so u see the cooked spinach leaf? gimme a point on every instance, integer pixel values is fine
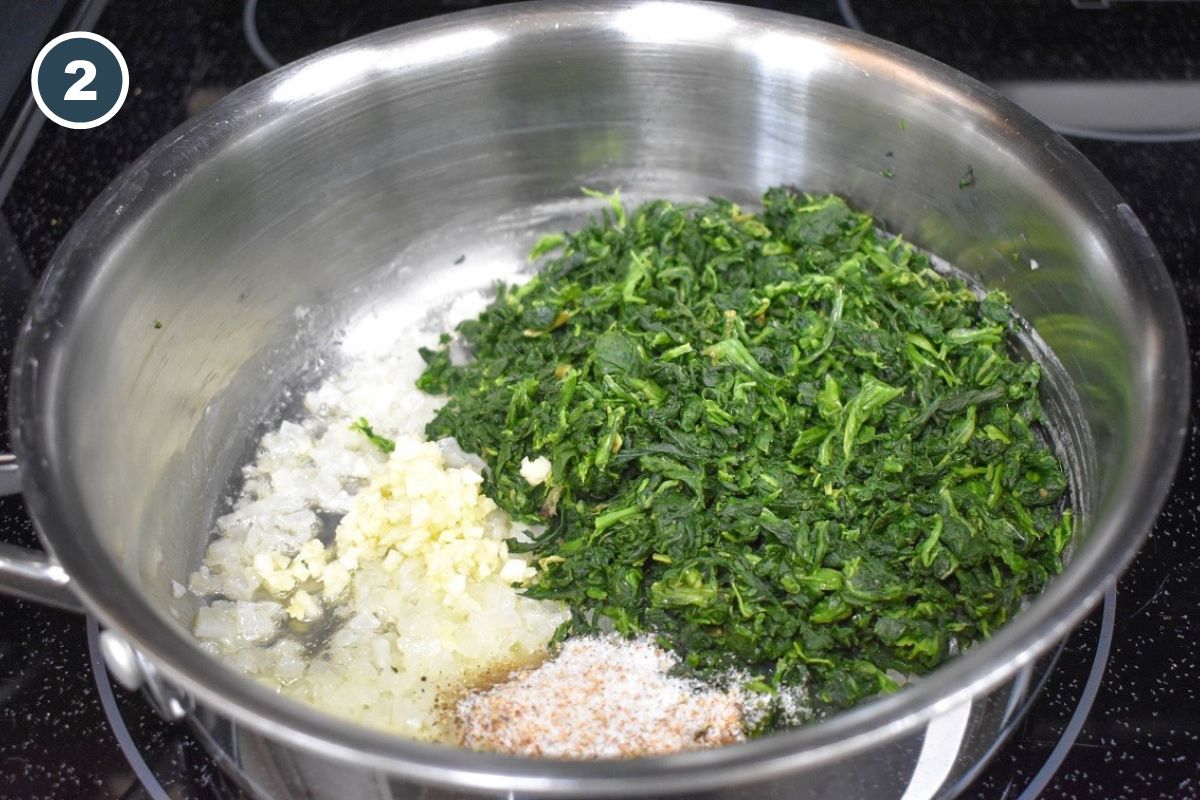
(782, 442)
(382, 442)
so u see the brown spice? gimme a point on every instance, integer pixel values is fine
(601, 697)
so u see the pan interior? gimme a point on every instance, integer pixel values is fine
(227, 268)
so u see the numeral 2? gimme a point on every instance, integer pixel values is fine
(77, 90)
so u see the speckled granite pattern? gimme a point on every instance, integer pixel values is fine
(1142, 739)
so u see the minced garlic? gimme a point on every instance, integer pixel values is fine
(415, 508)
(535, 472)
(418, 508)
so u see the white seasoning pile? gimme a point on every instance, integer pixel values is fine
(601, 697)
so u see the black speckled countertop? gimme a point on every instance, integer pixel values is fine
(1141, 739)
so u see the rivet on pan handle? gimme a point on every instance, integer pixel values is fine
(133, 671)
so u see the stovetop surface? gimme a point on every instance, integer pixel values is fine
(1141, 738)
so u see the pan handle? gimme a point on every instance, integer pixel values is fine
(27, 573)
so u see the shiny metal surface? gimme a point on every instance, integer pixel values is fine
(10, 474)
(217, 271)
(134, 671)
(33, 576)
(121, 660)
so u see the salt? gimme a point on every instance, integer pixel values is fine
(601, 697)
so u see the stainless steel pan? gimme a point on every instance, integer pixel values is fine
(357, 174)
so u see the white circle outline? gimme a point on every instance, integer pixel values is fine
(110, 47)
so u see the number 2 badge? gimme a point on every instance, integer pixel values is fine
(80, 80)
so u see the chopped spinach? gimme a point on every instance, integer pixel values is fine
(968, 178)
(382, 442)
(781, 442)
